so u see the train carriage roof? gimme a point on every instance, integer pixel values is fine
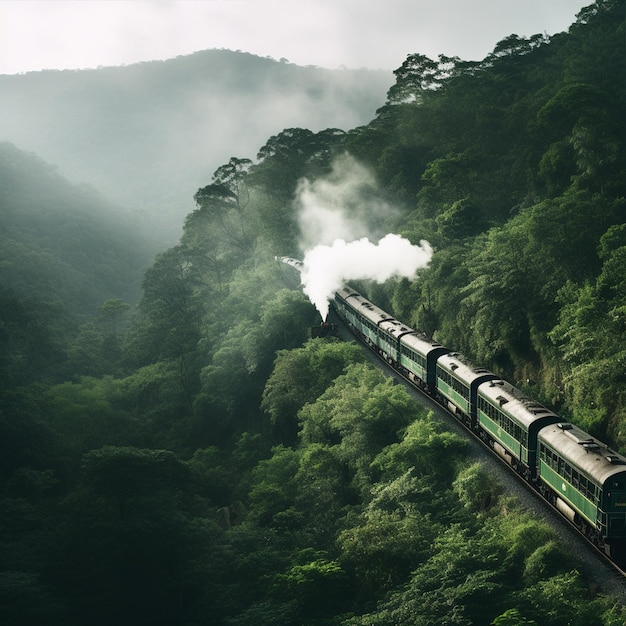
(368, 310)
(363, 306)
(422, 344)
(413, 338)
(584, 452)
(295, 263)
(463, 369)
(395, 328)
(346, 292)
(514, 403)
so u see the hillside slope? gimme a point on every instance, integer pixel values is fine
(64, 244)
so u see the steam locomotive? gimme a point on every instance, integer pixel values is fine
(579, 475)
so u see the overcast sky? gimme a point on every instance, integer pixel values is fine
(377, 34)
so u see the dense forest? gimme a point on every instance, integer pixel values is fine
(191, 456)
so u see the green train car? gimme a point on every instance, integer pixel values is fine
(586, 481)
(510, 422)
(418, 359)
(457, 381)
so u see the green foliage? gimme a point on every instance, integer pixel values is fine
(563, 598)
(63, 244)
(512, 617)
(231, 383)
(133, 545)
(417, 74)
(322, 493)
(546, 561)
(588, 335)
(221, 226)
(383, 547)
(449, 588)
(300, 376)
(476, 488)
(124, 475)
(98, 347)
(361, 412)
(473, 578)
(87, 414)
(273, 492)
(460, 221)
(26, 438)
(213, 474)
(314, 585)
(196, 459)
(31, 341)
(24, 600)
(293, 154)
(430, 452)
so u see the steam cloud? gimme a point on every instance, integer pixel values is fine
(338, 217)
(327, 268)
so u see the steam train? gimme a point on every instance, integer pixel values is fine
(579, 475)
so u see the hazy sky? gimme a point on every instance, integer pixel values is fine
(60, 34)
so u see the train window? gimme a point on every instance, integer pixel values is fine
(567, 472)
(552, 460)
(443, 375)
(460, 388)
(504, 421)
(580, 482)
(413, 356)
(454, 383)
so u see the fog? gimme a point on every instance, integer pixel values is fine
(349, 33)
(149, 135)
(346, 204)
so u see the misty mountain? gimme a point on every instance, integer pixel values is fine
(64, 244)
(149, 135)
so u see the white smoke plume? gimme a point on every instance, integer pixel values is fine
(339, 215)
(346, 204)
(327, 268)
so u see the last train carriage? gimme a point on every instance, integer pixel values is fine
(587, 482)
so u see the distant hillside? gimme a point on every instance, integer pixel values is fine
(64, 244)
(149, 135)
